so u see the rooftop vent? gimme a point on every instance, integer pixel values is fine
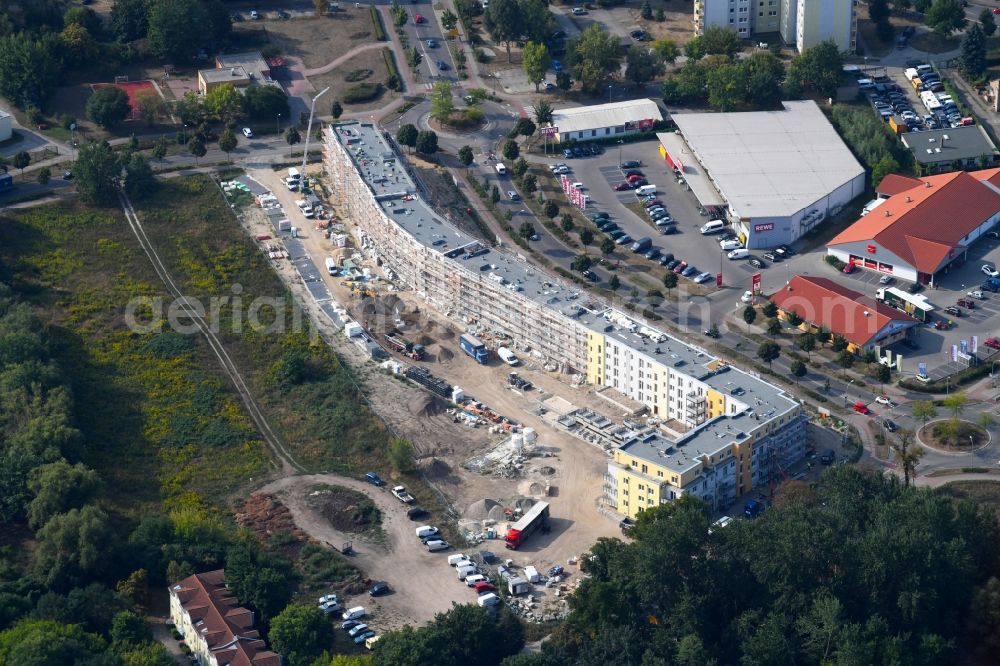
(868, 314)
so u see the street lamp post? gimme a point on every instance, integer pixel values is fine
(609, 94)
(312, 110)
(620, 144)
(277, 124)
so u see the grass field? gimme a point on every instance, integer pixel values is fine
(165, 427)
(983, 493)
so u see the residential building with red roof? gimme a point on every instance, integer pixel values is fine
(924, 225)
(861, 320)
(218, 630)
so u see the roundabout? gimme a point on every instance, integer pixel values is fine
(953, 436)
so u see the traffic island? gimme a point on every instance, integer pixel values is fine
(953, 436)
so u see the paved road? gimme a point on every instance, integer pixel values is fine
(418, 34)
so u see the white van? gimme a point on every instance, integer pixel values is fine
(464, 562)
(434, 546)
(645, 190)
(741, 253)
(475, 578)
(457, 557)
(467, 570)
(331, 266)
(293, 174)
(728, 245)
(712, 227)
(488, 599)
(577, 185)
(501, 169)
(354, 613)
(424, 530)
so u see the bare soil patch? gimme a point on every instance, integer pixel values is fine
(931, 42)
(347, 510)
(318, 41)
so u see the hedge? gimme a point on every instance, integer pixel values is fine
(390, 64)
(833, 261)
(362, 92)
(377, 22)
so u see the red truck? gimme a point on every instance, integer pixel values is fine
(537, 516)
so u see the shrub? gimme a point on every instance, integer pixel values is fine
(833, 261)
(394, 81)
(377, 22)
(362, 92)
(358, 75)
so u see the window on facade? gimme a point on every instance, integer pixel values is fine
(645, 469)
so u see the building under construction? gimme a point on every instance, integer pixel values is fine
(495, 294)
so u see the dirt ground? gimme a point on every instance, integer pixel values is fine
(678, 26)
(570, 468)
(317, 41)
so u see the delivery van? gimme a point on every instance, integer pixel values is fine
(646, 190)
(501, 169)
(712, 227)
(331, 266)
(740, 253)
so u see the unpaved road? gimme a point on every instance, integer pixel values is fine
(422, 583)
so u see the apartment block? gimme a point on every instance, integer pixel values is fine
(804, 23)
(696, 399)
(218, 630)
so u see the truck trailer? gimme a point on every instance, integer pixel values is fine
(404, 346)
(537, 516)
(474, 348)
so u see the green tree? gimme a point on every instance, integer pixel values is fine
(764, 73)
(504, 21)
(768, 351)
(300, 633)
(130, 19)
(465, 156)
(661, 15)
(564, 81)
(190, 109)
(642, 65)
(414, 58)
(160, 148)
(798, 369)
(520, 167)
(78, 46)
(336, 110)
(129, 628)
(58, 487)
(717, 40)
(581, 262)
(749, 315)
(44, 175)
(972, 61)
(694, 49)
(30, 68)
(227, 142)
(666, 50)
(670, 281)
(292, 137)
(96, 172)
(769, 309)
(986, 420)
(448, 19)
(794, 319)
(773, 326)
(406, 135)
(523, 127)
(266, 103)
(551, 209)
(543, 113)
(529, 184)
(882, 374)
(197, 148)
(839, 344)
(817, 69)
(614, 284)
(400, 454)
(646, 10)
(945, 17)
(955, 403)
(399, 15)
(149, 105)
(264, 581)
(593, 57)
(607, 246)
(537, 21)
(886, 165)
(845, 359)
(178, 29)
(586, 236)
(923, 410)
(442, 102)
(987, 21)
(72, 547)
(526, 230)
(984, 617)
(535, 60)
(566, 222)
(48, 643)
(427, 142)
(224, 102)
(510, 149)
(108, 106)
(495, 195)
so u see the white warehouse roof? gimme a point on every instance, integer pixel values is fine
(605, 115)
(770, 163)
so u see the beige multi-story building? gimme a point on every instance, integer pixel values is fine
(804, 23)
(695, 397)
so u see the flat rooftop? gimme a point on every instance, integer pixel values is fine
(393, 187)
(233, 74)
(770, 163)
(945, 145)
(595, 116)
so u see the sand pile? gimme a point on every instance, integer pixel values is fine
(485, 509)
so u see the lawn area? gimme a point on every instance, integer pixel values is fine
(366, 67)
(318, 41)
(931, 42)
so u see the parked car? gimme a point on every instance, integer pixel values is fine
(953, 311)
(247, 132)
(827, 457)
(374, 479)
(861, 408)
(378, 589)
(363, 636)
(703, 277)
(680, 267)
(746, 297)
(689, 271)
(622, 187)
(992, 343)
(416, 513)
(942, 325)
(886, 279)
(599, 216)
(848, 268)
(590, 275)
(773, 257)
(990, 270)
(884, 400)
(890, 425)
(966, 303)
(631, 164)
(756, 263)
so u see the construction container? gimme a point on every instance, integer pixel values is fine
(898, 125)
